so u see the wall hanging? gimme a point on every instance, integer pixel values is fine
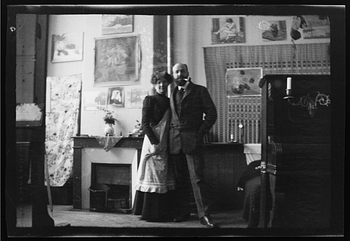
(135, 97)
(243, 81)
(273, 30)
(117, 23)
(61, 126)
(94, 100)
(116, 96)
(117, 61)
(228, 30)
(67, 47)
(316, 26)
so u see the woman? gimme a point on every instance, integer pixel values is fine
(155, 174)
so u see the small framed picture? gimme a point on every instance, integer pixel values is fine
(315, 26)
(228, 30)
(67, 47)
(94, 100)
(117, 23)
(116, 96)
(243, 82)
(135, 97)
(274, 30)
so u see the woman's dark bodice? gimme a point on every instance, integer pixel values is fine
(153, 109)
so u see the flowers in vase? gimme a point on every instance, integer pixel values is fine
(108, 118)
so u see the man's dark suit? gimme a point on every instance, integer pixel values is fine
(197, 115)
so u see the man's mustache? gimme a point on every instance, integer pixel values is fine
(183, 78)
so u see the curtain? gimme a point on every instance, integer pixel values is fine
(274, 59)
(62, 112)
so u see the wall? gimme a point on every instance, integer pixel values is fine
(190, 34)
(92, 121)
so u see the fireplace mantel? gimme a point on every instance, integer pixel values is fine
(89, 141)
(81, 142)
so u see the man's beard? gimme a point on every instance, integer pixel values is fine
(181, 81)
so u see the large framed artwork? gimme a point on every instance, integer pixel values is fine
(228, 30)
(243, 82)
(67, 47)
(117, 61)
(117, 23)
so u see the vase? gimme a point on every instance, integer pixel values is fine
(109, 130)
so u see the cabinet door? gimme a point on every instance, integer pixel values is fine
(296, 150)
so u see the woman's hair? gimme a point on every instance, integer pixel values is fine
(161, 75)
(229, 20)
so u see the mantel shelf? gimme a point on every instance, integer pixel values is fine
(90, 141)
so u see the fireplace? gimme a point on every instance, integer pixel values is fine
(87, 151)
(110, 187)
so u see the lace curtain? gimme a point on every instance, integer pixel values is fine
(274, 59)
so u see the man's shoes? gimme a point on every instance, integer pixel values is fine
(208, 222)
(182, 218)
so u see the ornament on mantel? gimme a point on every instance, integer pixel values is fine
(109, 121)
(138, 129)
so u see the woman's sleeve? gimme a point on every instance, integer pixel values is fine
(147, 112)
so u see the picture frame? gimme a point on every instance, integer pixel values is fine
(275, 30)
(94, 100)
(116, 96)
(67, 47)
(243, 82)
(317, 26)
(117, 61)
(228, 30)
(117, 23)
(135, 97)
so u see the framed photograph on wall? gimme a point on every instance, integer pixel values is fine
(117, 23)
(228, 30)
(117, 61)
(116, 96)
(243, 82)
(67, 47)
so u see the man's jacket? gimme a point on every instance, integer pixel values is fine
(198, 114)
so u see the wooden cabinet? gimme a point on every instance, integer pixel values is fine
(224, 165)
(296, 151)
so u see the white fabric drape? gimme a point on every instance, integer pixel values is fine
(61, 125)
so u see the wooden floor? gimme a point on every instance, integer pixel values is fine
(68, 218)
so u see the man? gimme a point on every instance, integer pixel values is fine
(193, 114)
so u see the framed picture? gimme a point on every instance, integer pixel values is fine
(116, 96)
(94, 100)
(228, 30)
(67, 47)
(243, 82)
(117, 61)
(317, 26)
(135, 97)
(273, 30)
(115, 23)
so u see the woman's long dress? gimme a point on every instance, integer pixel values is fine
(155, 178)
